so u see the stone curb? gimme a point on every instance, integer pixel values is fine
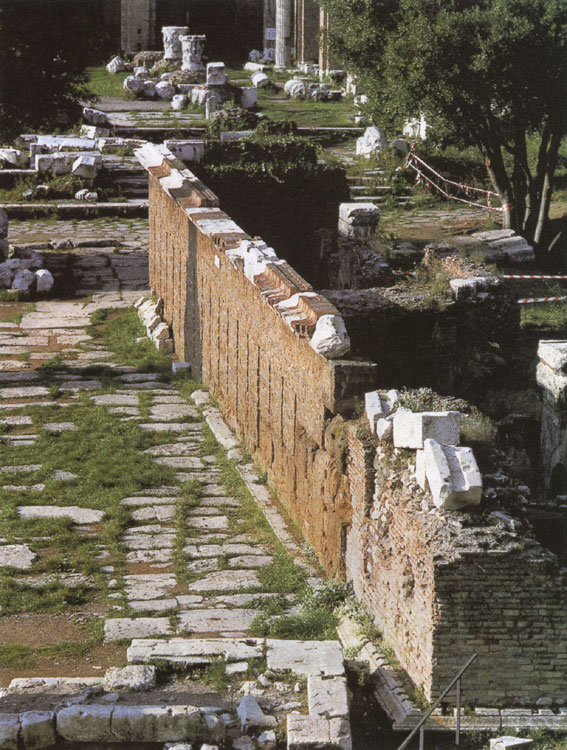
(260, 492)
(103, 722)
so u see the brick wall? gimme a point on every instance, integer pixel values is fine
(276, 391)
(440, 586)
(441, 589)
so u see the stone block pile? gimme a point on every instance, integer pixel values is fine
(505, 246)
(374, 142)
(443, 468)
(25, 273)
(150, 313)
(306, 88)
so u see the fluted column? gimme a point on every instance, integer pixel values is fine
(283, 32)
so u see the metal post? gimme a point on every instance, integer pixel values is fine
(458, 729)
(421, 738)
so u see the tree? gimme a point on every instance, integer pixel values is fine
(490, 73)
(45, 46)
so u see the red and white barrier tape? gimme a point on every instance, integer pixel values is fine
(531, 300)
(540, 276)
(413, 161)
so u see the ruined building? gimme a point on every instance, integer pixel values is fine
(441, 584)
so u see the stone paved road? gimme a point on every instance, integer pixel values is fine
(130, 232)
(217, 589)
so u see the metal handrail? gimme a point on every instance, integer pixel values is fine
(419, 726)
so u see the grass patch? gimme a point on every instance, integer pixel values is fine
(118, 332)
(306, 113)
(102, 83)
(551, 316)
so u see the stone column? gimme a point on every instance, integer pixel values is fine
(283, 32)
(171, 41)
(269, 29)
(192, 47)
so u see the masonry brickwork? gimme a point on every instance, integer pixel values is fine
(439, 585)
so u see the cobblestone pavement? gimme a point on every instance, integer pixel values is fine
(129, 232)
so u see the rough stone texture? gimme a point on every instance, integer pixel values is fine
(228, 621)
(305, 732)
(132, 677)
(509, 743)
(226, 580)
(9, 728)
(76, 514)
(327, 697)
(306, 657)
(251, 715)
(411, 429)
(452, 475)
(17, 556)
(37, 729)
(122, 627)
(194, 651)
(85, 723)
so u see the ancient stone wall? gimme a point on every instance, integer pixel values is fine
(248, 337)
(442, 586)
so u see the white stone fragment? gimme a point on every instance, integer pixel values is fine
(75, 514)
(411, 429)
(85, 166)
(13, 157)
(116, 65)
(509, 743)
(133, 85)
(259, 80)
(267, 740)
(305, 657)
(251, 715)
(327, 697)
(43, 281)
(248, 97)
(452, 475)
(17, 556)
(216, 75)
(179, 102)
(373, 142)
(9, 728)
(330, 337)
(85, 723)
(132, 677)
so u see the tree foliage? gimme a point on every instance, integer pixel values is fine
(486, 72)
(45, 46)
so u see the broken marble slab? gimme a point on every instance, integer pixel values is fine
(181, 462)
(170, 426)
(149, 541)
(212, 523)
(140, 500)
(16, 421)
(22, 469)
(33, 391)
(116, 399)
(149, 585)
(149, 556)
(152, 605)
(74, 513)
(172, 449)
(327, 697)
(250, 561)
(55, 428)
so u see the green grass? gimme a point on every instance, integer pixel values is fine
(550, 316)
(306, 113)
(117, 332)
(16, 656)
(102, 83)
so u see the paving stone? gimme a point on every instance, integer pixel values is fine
(22, 469)
(76, 514)
(16, 421)
(149, 541)
(149, 556)
(226, 580)
(225, 621)
(200, 511)
(55, 428)
(138, 500)
(23, 487)
(152, 605)
(17, 556)
(154, 512)
(194, 650)
(181, 462)
(34, 391)
(132, 677)
(202, 566)
(171, 399)
(116, 399)
(172, 449)
(125, 411)
(167, 426)
(327, 697)
(189, 600)
(64, 476)
(251, 715)
(165, 412)
(250, 561)
(210, 522)
(140, 627)
(305, 657)
(218, 502)
(149, 585)
(80, 385)
(68, 580)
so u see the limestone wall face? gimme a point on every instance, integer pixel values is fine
(138, 19)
